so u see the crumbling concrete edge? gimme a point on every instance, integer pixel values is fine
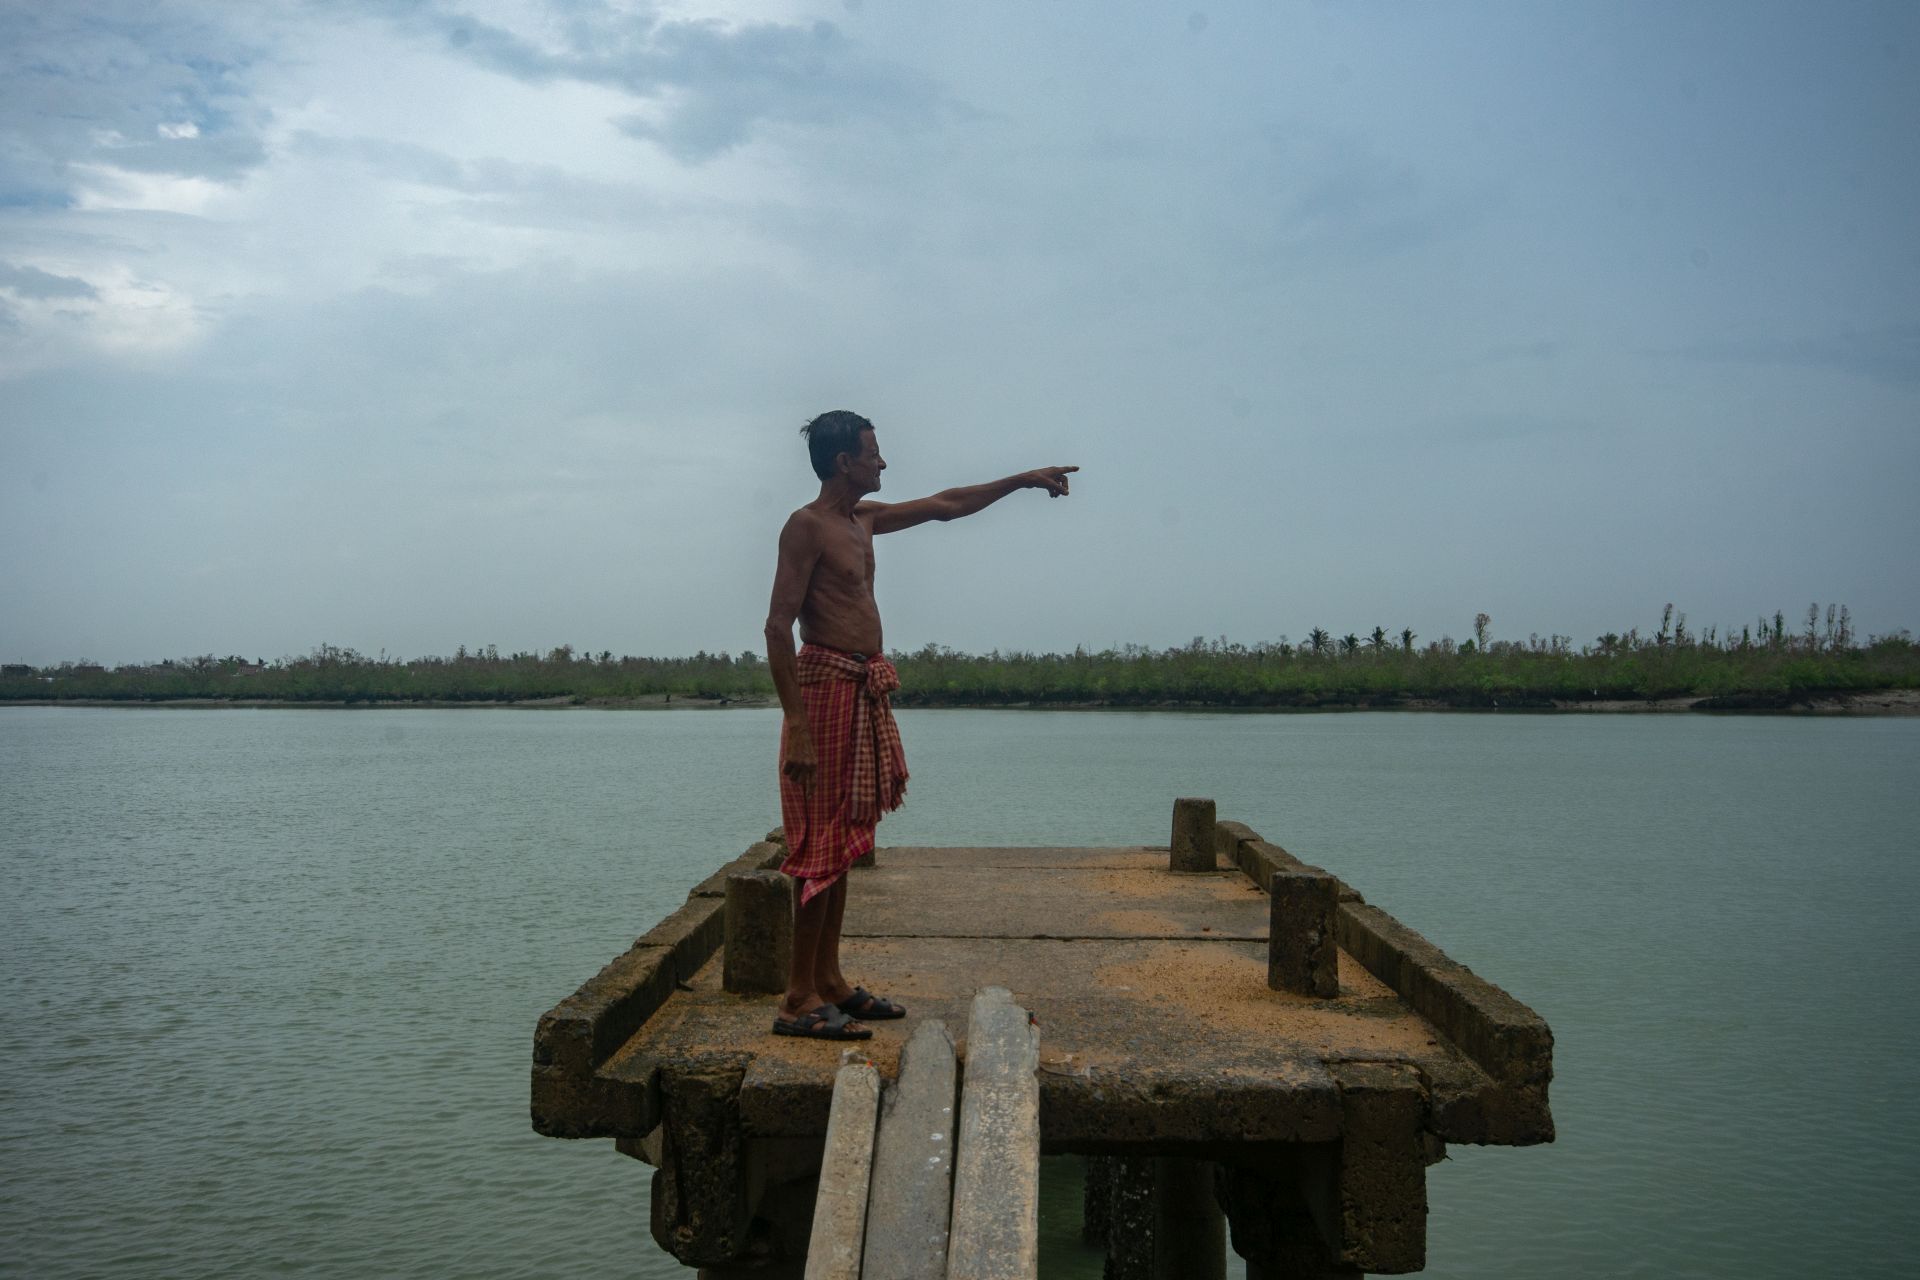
(1496, 1032)
(1503, 1037)
(574, 1038)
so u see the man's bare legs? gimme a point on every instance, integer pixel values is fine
(813, 976)
(827, 977)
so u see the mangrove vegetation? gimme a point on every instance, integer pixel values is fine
(1773, 663)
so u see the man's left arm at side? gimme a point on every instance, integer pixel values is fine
(799, 552)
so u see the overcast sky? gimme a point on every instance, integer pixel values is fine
(409, 325)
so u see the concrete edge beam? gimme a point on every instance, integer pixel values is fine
(996, 1181)
(758, 932)
(1302, 955)
(773, 1105)
(1496, 1032)
(846, 1170)
(1259, 859)
(1192, 845)
(1089, 1116)
(763, 856)
(908, 1210)
(582, 1031)
(567, 1105)
(693, 933)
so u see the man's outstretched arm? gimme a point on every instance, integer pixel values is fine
(951, 504)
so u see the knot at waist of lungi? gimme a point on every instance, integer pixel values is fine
(877, 780)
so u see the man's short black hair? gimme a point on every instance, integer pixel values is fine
(830, 435)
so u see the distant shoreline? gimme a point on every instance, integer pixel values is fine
(1870, 702)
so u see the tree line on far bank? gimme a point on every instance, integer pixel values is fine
(1773, 663)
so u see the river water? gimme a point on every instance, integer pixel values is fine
(271, 975)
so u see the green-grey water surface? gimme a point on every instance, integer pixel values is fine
(272, 975)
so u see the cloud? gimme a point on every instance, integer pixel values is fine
(31, 282)
(708, 86)
(130, 86)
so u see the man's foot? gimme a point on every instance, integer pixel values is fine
(864, 1004)
(824, 1023)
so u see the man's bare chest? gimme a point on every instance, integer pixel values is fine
(846, 558)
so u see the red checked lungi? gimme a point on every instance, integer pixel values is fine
(862, 769)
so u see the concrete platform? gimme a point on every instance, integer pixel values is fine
(1161, 1036)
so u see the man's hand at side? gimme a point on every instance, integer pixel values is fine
(800, 764)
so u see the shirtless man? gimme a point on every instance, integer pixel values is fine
(841, 762)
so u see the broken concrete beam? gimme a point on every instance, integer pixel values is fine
(1193, 839)
(759, 932)
(996, 1182)
(913, 1162)
(846, 1169)
(1302, 956)
(1500, 1035)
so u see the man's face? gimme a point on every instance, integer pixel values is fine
(864, 468)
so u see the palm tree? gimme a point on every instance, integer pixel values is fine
(1319, 640)
(1407, 638)
(1349, 644)
(1378, 640)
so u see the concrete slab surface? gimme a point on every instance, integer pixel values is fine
(1150, 989)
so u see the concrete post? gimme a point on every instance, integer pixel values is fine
(1193, 837)
(759, 938)
(1302, 956)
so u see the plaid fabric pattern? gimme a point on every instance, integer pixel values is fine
(862, 768)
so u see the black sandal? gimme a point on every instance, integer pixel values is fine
(865, 1005)
(824, 1023)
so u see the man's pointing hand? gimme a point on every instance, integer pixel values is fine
(1052, 479)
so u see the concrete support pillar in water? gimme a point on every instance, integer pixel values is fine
(1192, 847)
(759, 924)
(1189, 1230)
(1157, 1218)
